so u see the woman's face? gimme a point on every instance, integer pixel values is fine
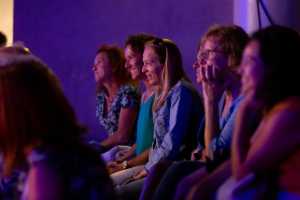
(134, 62)
(152, 68)
(251, 68)
(102, 67)
(210, 54)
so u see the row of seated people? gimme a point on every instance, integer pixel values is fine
(231, 83)
(240, 134)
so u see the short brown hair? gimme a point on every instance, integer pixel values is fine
(232, 39)
(117, 60)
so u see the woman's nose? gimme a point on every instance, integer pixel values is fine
(195, 65)
(203, 61)
(144, 69)
(126, 65)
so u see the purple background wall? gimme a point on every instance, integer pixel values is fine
(66, 33)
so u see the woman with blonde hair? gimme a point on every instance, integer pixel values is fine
(176, 112)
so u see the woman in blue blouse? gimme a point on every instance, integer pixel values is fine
(117, 100)
(216, 69)
(176, 111)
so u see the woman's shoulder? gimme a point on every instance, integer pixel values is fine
(285, 114)
(184, 88)
(290, 105)
(128, 89)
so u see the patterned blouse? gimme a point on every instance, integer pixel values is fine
(127, 97)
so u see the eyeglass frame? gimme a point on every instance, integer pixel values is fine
(205, 54)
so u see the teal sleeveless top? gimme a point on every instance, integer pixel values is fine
(144, 131)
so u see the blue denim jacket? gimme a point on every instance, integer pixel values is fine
(176, 124)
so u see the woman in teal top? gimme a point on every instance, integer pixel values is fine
(137, 154)
(144, 131)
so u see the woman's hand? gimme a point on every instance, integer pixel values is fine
(213, 84)
(124, 154)
(113, 167)
(141, 174)
(196, 154)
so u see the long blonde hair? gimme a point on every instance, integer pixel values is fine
(169, 55)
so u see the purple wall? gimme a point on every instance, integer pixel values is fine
(66, 33)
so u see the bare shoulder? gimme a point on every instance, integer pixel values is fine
(291, 104)
(285, 115)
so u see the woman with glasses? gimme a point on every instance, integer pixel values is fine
(176, 112)
(216, 68)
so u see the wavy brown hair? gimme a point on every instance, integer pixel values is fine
(117, 60)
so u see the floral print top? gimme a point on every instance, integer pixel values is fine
(127, 97)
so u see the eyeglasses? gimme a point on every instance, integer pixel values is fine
(205, 54)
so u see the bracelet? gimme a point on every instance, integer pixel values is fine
(124, 164)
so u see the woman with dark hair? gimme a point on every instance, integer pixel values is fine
(117, 99)
(270, 85)
(40, 136)
(137, 154)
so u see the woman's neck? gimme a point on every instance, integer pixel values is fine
(149, 91)
(111, 87)
(233, 89)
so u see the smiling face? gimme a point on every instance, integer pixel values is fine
(152, 67)
(102, 67)
(134, 62)
(251, 68)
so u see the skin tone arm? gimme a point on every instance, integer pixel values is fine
(140, 159)
(129, 154)
(125, 128)
(212, 92)
(43, 184)
(276, 138)
(242, 133)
